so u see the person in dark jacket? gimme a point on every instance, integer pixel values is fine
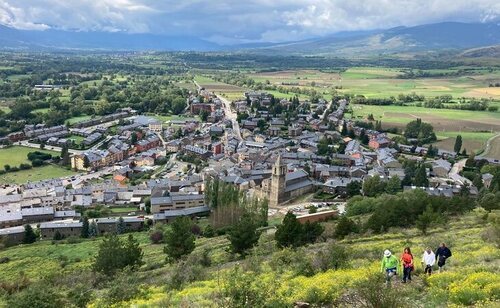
(442, 254)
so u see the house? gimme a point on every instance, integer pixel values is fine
(441, 167)
(65, 228)
(379, 142)
(156, 126)
(216, 131)
(168, 216)
(194, 150)
(338, 185)
(12, 236)
(175, 202)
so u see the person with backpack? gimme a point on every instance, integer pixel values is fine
(390, 265)
(428, 260)
(442, 254)
(407, 261)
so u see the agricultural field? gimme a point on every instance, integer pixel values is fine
(16, 155)
(375, 82)
(230, 92)
(35, 174)
(476, 127)
(471, 274)
(492, 149)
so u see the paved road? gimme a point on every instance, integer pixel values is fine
(230, 114)
(47, 147)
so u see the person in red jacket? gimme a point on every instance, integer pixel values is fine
(407, 262)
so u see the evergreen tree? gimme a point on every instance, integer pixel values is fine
(180, 239)
(147, 205)
(421, 179)
(93, 230)
(86, 162)
(29, 235)
(458, 144)
(478, 181)
(65, 159)
(289, 233)
(57, 236)
(353, 188)
(120, 226)
(393, 185)
(243, 235)
(310, 232)
(85, 228)
(426, 219)
(113, 254)
(344, 131)
(344, 227)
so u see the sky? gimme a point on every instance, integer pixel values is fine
(247, 21)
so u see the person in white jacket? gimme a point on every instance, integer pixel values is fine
(428, 260)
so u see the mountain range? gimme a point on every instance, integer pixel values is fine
(429, 37)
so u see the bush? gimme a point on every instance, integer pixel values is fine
(372, 292)
(156, 237)
(184, 272)
(40, 295)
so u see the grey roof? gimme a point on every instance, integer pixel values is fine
(182, 212)
(295, 175)
(64, 224)
(301, 184)
(37, 211)
(13, 230)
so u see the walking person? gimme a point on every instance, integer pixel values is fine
(442, 254)
(407, 261)
(390, 265)
(428, 260)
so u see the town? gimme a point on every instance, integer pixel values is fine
(278, 150)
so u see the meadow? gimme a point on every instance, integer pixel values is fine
(379, 82)
(273, 276)
(35, 174)
(16, 155)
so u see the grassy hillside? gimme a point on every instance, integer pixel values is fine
(268, 276)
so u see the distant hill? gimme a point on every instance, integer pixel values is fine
(439, 36)
(446, 35)
(11, 38)
(482, 52)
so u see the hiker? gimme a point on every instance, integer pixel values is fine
(442, 254)
(407, 261)
(428, 260)
(390, 265)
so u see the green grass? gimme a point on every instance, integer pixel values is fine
(126, 209)
(77, 139)
(41, 110)
(5, 109)
(78, 119)
(35, 174)
(166, 118)
(16, 155)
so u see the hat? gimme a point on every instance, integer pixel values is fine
(387, 253)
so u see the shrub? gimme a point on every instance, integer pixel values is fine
(372, 292)
(156, 237)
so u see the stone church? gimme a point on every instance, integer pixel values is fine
(283, 185)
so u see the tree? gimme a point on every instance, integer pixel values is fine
(120, 226)
(7, 168)
(458, 144)
(426, 219)
(85, 228)
(147, 205)
(373, 186)
(133, 138)
(179, 240)
(393, 185)
(421, 179)
(58, 236)
(243, 235)
(29, 235)
(353, 188)
(86, 162)
(344, 227)
(490, 201)
(204, 115)
(310, 232)
(93, 230)
(288, 234)
(65, 160)
(114, 254)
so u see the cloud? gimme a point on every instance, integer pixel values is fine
(232, 21)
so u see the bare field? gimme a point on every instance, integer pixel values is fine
(493, 151)
(470, 145)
